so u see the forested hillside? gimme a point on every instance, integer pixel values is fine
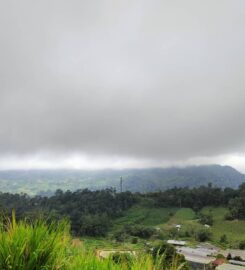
(93, 213)
(46, 182)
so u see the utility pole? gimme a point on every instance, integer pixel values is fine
(121, 183)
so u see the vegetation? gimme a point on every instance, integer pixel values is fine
(90, 212)
(46, 182)
(242, 244)
(129, 219)
(169, 254)
(33, 246)
(43, 246)
(203, 235)
(206, 219)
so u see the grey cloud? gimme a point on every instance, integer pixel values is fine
(154, 79)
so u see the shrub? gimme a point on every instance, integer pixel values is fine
(166, 257)
(220, 256)
(125, 259)
(203, 235)
(242, 244)
(120, 236)
(134, 240)
(228, 216)
(139, 231)
(173, 232)
(237, 258)
(223, 239)
(206, 219)
(229, 257)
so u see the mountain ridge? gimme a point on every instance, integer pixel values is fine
(137, 180)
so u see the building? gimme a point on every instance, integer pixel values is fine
(176, 243)
(199, 251)
(234, 253)
(227, 266)
(198, 258)
(218, 262)
(242, 263)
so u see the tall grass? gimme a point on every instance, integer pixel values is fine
(142, 261)
(87, 261)
(26, 246)
(38, 246)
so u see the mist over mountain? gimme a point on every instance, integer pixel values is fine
(46, 182)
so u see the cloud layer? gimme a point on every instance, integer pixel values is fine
(147, 80)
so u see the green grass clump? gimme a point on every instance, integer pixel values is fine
(33, 246)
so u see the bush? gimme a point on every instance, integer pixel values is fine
(122, 258)
(206, 219)
(166, 257)
(120, 236)
(228, 216)
(203, 235)
(229, 257)
(134, 240)
(220, 256)
(223, 239)
(242, 245)
(237, 258)
(94, 225)
(173, 232)
(139, 231)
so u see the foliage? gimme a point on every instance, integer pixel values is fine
(122, 258)
(33, 246)
(237, 204)
(203, 235)
(134, 240)
(42, 246)
(139, 231)
(90, 212)
(206, 219)
(195, 198)
(242, 244)
(169, 256)
(223, 239)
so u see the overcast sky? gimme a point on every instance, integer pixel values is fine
(105, 83)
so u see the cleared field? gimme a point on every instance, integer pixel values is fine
(147, 216)
(167, 218)
(234, 230)
(183, 214)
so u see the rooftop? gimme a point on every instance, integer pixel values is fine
(177, 243)
(227, 266)
(234, 252)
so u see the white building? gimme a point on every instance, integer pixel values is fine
(176, 243)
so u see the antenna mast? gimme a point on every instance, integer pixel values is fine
(121, 183)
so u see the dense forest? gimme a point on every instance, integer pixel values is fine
(92, 212)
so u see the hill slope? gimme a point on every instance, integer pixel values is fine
(143, 180)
